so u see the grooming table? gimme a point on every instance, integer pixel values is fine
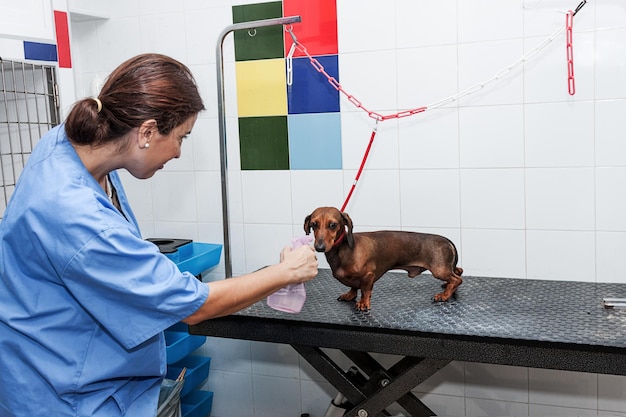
(521, 322)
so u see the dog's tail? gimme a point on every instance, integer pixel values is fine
(457, 269)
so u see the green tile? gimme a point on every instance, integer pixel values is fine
(263, 143)
(267, 42)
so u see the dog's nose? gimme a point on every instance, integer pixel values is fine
(320, 246)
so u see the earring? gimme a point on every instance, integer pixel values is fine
(146, 146)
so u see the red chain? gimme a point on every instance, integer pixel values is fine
(332, 81)
(569, 22)
(571, 85)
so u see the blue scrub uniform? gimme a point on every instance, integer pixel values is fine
(84, 299)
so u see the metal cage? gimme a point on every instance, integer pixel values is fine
(29, 107)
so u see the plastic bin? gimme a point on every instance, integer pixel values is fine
(169, 247)
(189, 255)
(198, 257)
(197, 371)
(178, 327)
(180, 344)
(197, 404)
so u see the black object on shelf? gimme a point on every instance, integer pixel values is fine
(168, 245)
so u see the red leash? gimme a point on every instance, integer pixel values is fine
(358, 174)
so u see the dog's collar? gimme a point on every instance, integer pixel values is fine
(340, 238)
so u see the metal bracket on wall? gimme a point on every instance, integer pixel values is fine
(614, 303)
(221, 107)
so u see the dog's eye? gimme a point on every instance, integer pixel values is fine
(332, 226)
(314, 226)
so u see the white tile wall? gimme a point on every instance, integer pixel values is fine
(444, 405)
(487, 20)
(174, 196)
(610, 146)
(523, 177)
(161, 30)
(276, 397)
(560, 198)
(512, 383)
(426, 75)
(491, 137)
(449, 381)
(233, 393)
(608, 201)
(559, 134)
(271, 359)
(609, 78)
(373, 34)
(492, 198)
(203, 29)
(377, 92)
(480, 61)
(378, 195)
(424, 202)
(549, 410)
(609, 249)
(563, 388)
(316, 397)
(492, 252)
(325, 188)
(560, 255)
(228, 355)
(356, 132)
(611, 390)
(482, 407)
(430, 140)
(267, 197)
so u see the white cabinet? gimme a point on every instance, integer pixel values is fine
(27, 20)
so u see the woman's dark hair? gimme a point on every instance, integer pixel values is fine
(148, 86)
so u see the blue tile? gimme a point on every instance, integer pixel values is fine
(315, 141)
(310, 91)
(40, 51)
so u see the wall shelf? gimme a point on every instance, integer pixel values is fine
(84, 15)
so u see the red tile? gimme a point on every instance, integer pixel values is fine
(318, 30)
(63, 39)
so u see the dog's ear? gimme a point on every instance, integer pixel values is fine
(348, 222)
(307, 226)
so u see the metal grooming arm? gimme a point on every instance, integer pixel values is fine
(222, 120)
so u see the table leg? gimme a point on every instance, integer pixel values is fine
(369, 397)
(347, 383)
(409, 371)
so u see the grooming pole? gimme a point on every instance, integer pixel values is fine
(222, 120)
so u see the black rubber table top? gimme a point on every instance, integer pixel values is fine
(519, 309)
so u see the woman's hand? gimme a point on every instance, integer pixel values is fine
(301, 262)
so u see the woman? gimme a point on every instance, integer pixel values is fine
(84, 298)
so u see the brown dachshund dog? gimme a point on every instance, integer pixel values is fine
(358, 260)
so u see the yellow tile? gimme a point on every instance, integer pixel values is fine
(261, 88)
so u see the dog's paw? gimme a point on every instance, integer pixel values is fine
(362, 307)
(346, 297)
(440, 298)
